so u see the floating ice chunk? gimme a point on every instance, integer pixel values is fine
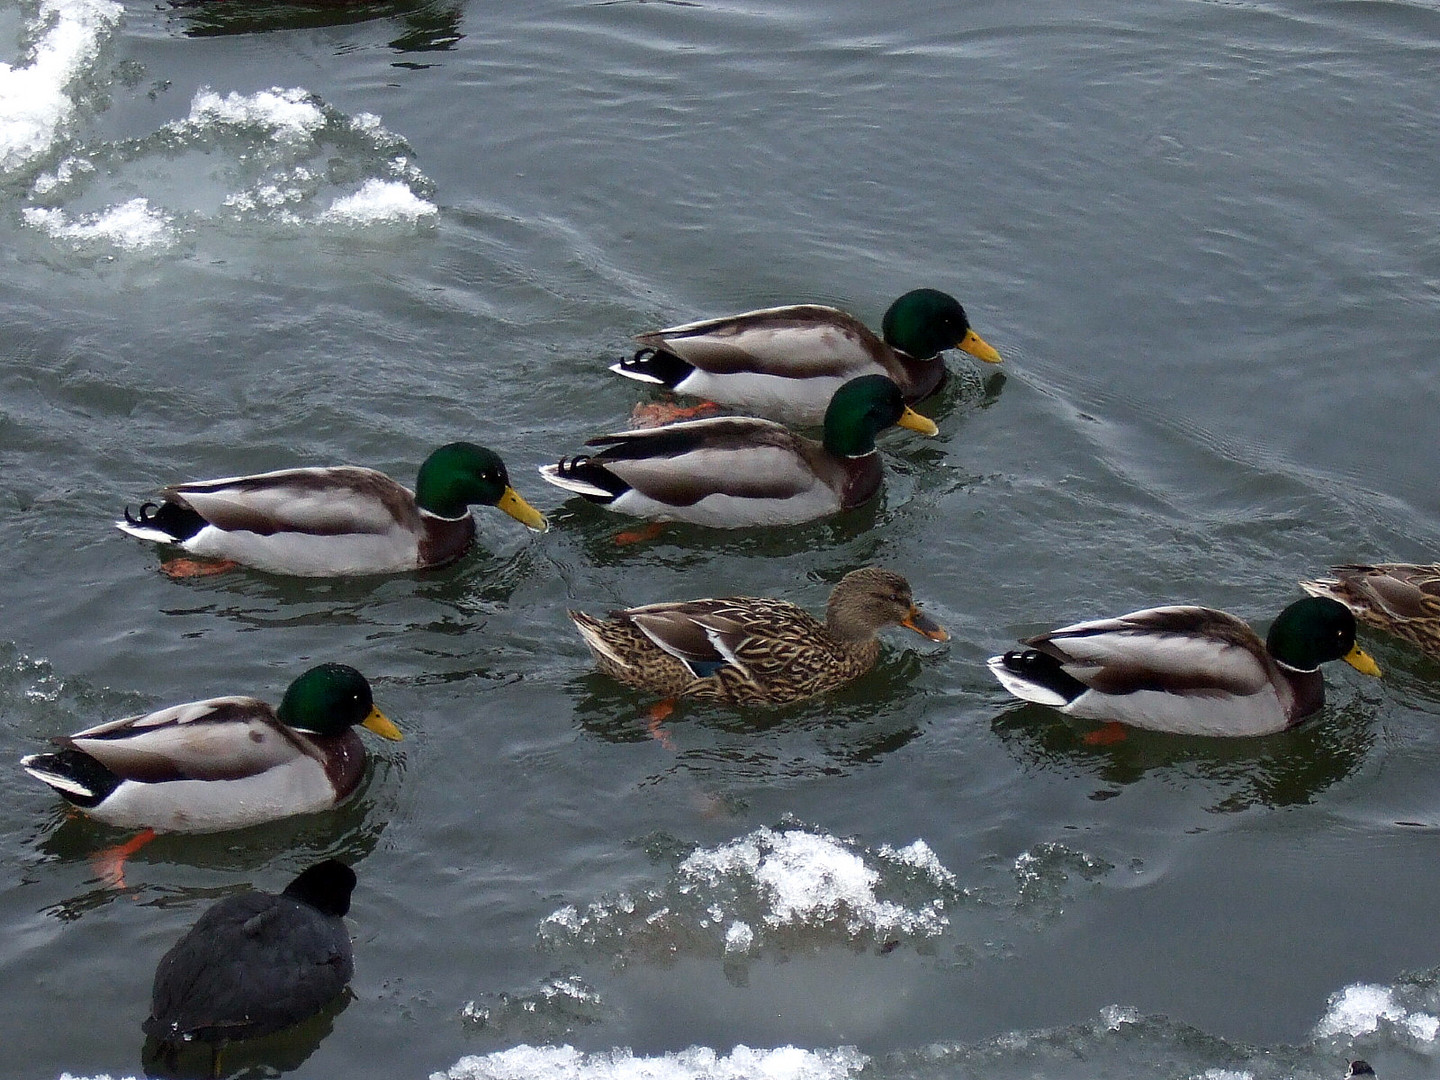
(919, 855)
(35, 105)
(739, 937)
(379, 201)
(1360, 1009)
(278, 157)
(561, 1003)
(131, 226)
(1043, 876)
(697, 1063)
(1115, 1017)
(289, 114)
(65, 172)
(770, 888)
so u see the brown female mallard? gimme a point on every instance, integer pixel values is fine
(1402, 598)
(749, 650)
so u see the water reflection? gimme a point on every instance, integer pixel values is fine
(428, 26)
(270, 1055)
(349, 832)
(855, 725)
(1290, 768)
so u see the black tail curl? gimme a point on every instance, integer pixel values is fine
(1044, 670)
(657, 364)
(176, 521)
(582, 468)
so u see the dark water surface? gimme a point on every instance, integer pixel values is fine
(1204, 237)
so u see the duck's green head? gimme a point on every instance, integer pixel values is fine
(925, 322)
(331, 698)
(1315, 630)
(863, 408)
(460, 475)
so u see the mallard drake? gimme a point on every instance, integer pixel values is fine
(733, 471)
(223, 763)
(749, 650)
(1403, 598)
(255, 963)
(1187, 670)
(787, 362)
(340, 520)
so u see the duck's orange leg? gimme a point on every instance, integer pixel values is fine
(1108, 735)
(656, 715)
(109, 863)
(188, 568)
(648, 531)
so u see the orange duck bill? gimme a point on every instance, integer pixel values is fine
(921, 623)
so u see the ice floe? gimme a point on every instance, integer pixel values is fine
(276, 158)
(771, 888)
(37, 105)
(696, 1063)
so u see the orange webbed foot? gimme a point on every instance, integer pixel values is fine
(109, 863)
(650, 414)
(187, 568)
(638, 536)
(1108, 735)
(656, 715)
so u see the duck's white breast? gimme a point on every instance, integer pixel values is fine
(733, 511)
(1260, 713)
(300, 787)
(310, 555)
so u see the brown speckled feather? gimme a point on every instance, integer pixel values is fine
(752, 650)
(1400, 598)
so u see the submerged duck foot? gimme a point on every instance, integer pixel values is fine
(109, 863)
(645, 532)
(181, 568)
(650, 414)
(1108, 734)
(656, 715)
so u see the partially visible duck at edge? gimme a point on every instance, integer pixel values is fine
(1400, 598)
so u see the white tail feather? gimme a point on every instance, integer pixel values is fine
(570, 483)
(54, 779)
(636, 374)
(145, 532)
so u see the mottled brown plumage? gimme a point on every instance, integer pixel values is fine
(1400, 598)
(754, 650)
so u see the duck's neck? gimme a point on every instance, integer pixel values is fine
(1308, 688)
(847, 627)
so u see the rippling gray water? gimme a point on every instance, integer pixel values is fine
(1203, 235)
